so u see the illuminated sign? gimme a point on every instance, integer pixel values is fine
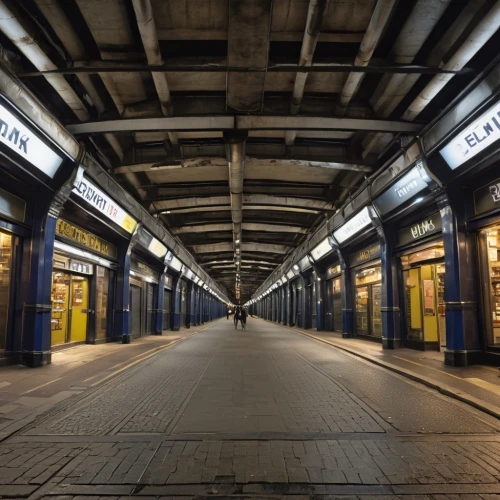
(156, 247)
(407, 187)
(353, 226)
(26, 144)
(332, 271)
(141, 268)
(321, 250)
(87, 239)
(483, 132)
(104, 204)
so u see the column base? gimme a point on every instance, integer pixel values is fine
(346, 335)
(159, 332)
(126, 339)
(34, 359)
(462, 358)
(391, 343)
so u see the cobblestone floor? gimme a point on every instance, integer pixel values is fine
(262, 414)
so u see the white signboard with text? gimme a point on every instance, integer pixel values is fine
(104, 204)
(478, 136)
(26, 144)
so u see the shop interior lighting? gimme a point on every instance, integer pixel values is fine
(419, 199)
(76, 252)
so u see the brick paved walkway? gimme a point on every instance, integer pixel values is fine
(262, 414)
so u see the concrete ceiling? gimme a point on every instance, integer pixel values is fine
(325, 91)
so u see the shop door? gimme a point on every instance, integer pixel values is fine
(362, 310)
(375, 309)
(150, 301)
(329, 306)
(337, 306)
(60, 307)
(5, 284)
(79, 309)
(425, 308)
(135, 310)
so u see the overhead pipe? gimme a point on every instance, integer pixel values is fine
(24, 41)
(376, 27)
(315, 16)
(485, 29)
(147, 29)
(235, 153)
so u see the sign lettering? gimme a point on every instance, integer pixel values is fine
(365, 254)
(487, 198)
(425, 227)
(408, 186)
(353, 226)
(104, 204)
(483, 132)
(89, 240)
(20, 139)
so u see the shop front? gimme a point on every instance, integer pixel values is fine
(367, 280)
(487, 221)
(421, 254)
(167, 303)
(83, 282)
(143, 298)
(31, 171)
(334, 299)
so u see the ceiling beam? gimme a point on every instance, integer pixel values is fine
(265, 200)
(246, 226)
(245, 247)
(180, 123)
(174, 164)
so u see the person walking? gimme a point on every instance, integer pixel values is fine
(243, 319)
(236, 317)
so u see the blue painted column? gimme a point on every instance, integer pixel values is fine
(36, 342)
(347, 297)
(122, 303)
(176, 303)
(462, 336)
(160, 304)
(390, 310)
(189, 303)
(36, 335)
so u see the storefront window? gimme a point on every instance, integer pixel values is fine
(101, 312)
(5, 271)
(493, 260)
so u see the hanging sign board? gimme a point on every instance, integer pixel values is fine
(104, 204)
(25, 143)
(365, 255)
(68, 231)
(487, 198)
(143, 269)
(408, 186)
(425, 227)
(353, 226)
(333, 271)
(480, 134)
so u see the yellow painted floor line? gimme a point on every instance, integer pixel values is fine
(40, 386)
(484, 384)
(409, 361)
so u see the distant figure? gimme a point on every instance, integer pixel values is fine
(228, 313)
(237, 313)
(243, 319)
